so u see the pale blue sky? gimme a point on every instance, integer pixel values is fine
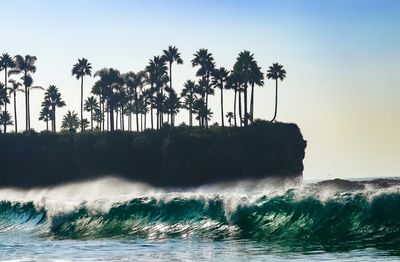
(342, 58)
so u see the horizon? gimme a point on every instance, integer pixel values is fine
(342, 60)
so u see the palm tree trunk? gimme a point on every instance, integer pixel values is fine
(234, 107)
(222, 105)
(29, 110)
(245, 105)
(151, 117)
(47, 125)
(240, 108)
(26, 103)
(15, 111)
(91, 119)
(53, 109)
(111, 121)
(5, 102)
(190, 116)
(276, 100)
(252, 103)
(81, 103)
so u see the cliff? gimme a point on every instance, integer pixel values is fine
(178, 156)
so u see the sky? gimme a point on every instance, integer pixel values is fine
(342, 59)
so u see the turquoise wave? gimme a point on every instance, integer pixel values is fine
(354, 217)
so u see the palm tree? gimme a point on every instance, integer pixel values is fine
(26, 66)
(15, 87)
(229, 115)
(70, 122)
(157, 70)
(91, 105)
(205, 61)
(53, 100)
(256, 78)
(234, 84)
(189, 94)
(80, 69)
(172, 55)
(6, 62)
(46, 115)
(111, 83)
(4, 100)
(134, 81)
(172, 105)
(276, 72)
(243, 67)
(220, 77)
(5, 119)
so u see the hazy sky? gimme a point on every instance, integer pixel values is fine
(342, 59)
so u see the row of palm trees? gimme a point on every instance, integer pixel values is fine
(119, 97)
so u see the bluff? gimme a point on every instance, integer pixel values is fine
(173, 156)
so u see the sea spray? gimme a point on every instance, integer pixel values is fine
(300, 214)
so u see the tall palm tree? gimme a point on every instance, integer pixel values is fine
(90, 106)
(189, 94)
(5, 119)
(26, 66)
(79, 70)
(276, 72)
(111, 82)
(220, 77)
(172, 55)
(234, 84)
(256, 78)
(53, 100)
(205, 61)
(45, 115)
(70, 121)
(15, 87)
(157, 70)
(4, 100)
(243, 67)
(6, 62)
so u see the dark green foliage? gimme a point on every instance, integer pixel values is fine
(171, 156)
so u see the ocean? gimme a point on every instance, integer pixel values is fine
(114, 220)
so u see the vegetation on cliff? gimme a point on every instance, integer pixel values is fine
(171, 156)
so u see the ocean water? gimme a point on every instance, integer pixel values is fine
(115, 220)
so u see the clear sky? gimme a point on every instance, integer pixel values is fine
(342, 59)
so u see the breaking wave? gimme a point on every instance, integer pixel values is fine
(291, 213)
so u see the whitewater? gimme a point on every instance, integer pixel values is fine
(111, 219)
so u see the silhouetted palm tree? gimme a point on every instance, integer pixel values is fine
(46, 115)
(91, 105)
(4, 100)
(205, 61)
(157, 70)
(189, 94)
(220, 78)
(70, 121)
(5, 119)
(243, 68)
(53, 99)
(172, 105)
(234, 84)
(26, 66)
(6, 62)
(172, 55)
(111, 83)
(256, 78)
(15, 87)
(276, 72)
(229, 115)
(81, 69)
